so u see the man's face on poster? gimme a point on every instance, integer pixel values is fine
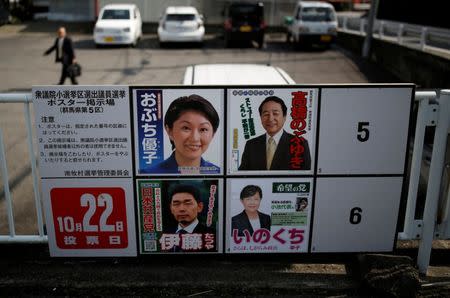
(272, 118)
(185, 208)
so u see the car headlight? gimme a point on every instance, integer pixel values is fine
(98, 30)
(127, 29)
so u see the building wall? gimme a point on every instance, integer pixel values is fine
(71, 10)
(151, 10)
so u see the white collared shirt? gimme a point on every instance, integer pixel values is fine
(60, 47)
(276, 138)
(256, 224)
(190, 228)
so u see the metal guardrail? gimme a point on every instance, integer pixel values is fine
(415, 36)
(433, 110)
(12, 237)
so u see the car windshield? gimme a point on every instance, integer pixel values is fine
(180, 17)
(317, 14)
(245, 13)
(116, 14)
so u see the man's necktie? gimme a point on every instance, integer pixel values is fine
(178, 247)
(271, 146)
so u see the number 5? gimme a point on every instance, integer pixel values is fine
(363, 131)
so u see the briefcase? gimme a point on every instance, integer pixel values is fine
(74, 70)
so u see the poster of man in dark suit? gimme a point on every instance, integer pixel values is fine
(272, 150)
(64, 54)
(185, 206)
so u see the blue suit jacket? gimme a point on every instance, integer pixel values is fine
(170, 166)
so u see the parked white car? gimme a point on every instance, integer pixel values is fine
(235, 74)
(313, 22)
(181, 24)
(118, 24)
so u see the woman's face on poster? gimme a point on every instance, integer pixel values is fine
(251, 203)
(191, 133)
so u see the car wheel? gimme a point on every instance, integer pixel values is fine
(288, 37)
(227, 41)
(260, 42)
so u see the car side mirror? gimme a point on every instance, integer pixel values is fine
(288, 20)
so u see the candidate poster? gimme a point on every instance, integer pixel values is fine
(179, 216)
(271, 130)
(268, 215)
(178, 131)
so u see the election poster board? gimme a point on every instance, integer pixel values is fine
(166, 208)
(269, 215)
(287, 114)
(175, 126)
(85, 161)
(307, 160)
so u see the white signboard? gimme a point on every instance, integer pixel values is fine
(356, 214)
(83, 131)
(363, 130)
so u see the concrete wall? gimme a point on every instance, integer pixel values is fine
(84, 10)
(408, 65)
(71, 10)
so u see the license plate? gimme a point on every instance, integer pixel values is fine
(109, 39)
(325, 38)
(245, 28)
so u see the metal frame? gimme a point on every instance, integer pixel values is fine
(12, 237)
(420, 37)
(433, 110)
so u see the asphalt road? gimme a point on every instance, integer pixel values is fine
(23, 65)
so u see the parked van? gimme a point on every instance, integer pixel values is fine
(235, 74)
(244, 22)
(314, 22)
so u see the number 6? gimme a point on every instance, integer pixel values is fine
(355, 215)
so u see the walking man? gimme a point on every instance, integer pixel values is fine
(64, 54)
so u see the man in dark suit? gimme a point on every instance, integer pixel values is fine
(64, 54)
(271, 151)
(185, 205)
(251, 219)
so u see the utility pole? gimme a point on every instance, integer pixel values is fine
(369, 31)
